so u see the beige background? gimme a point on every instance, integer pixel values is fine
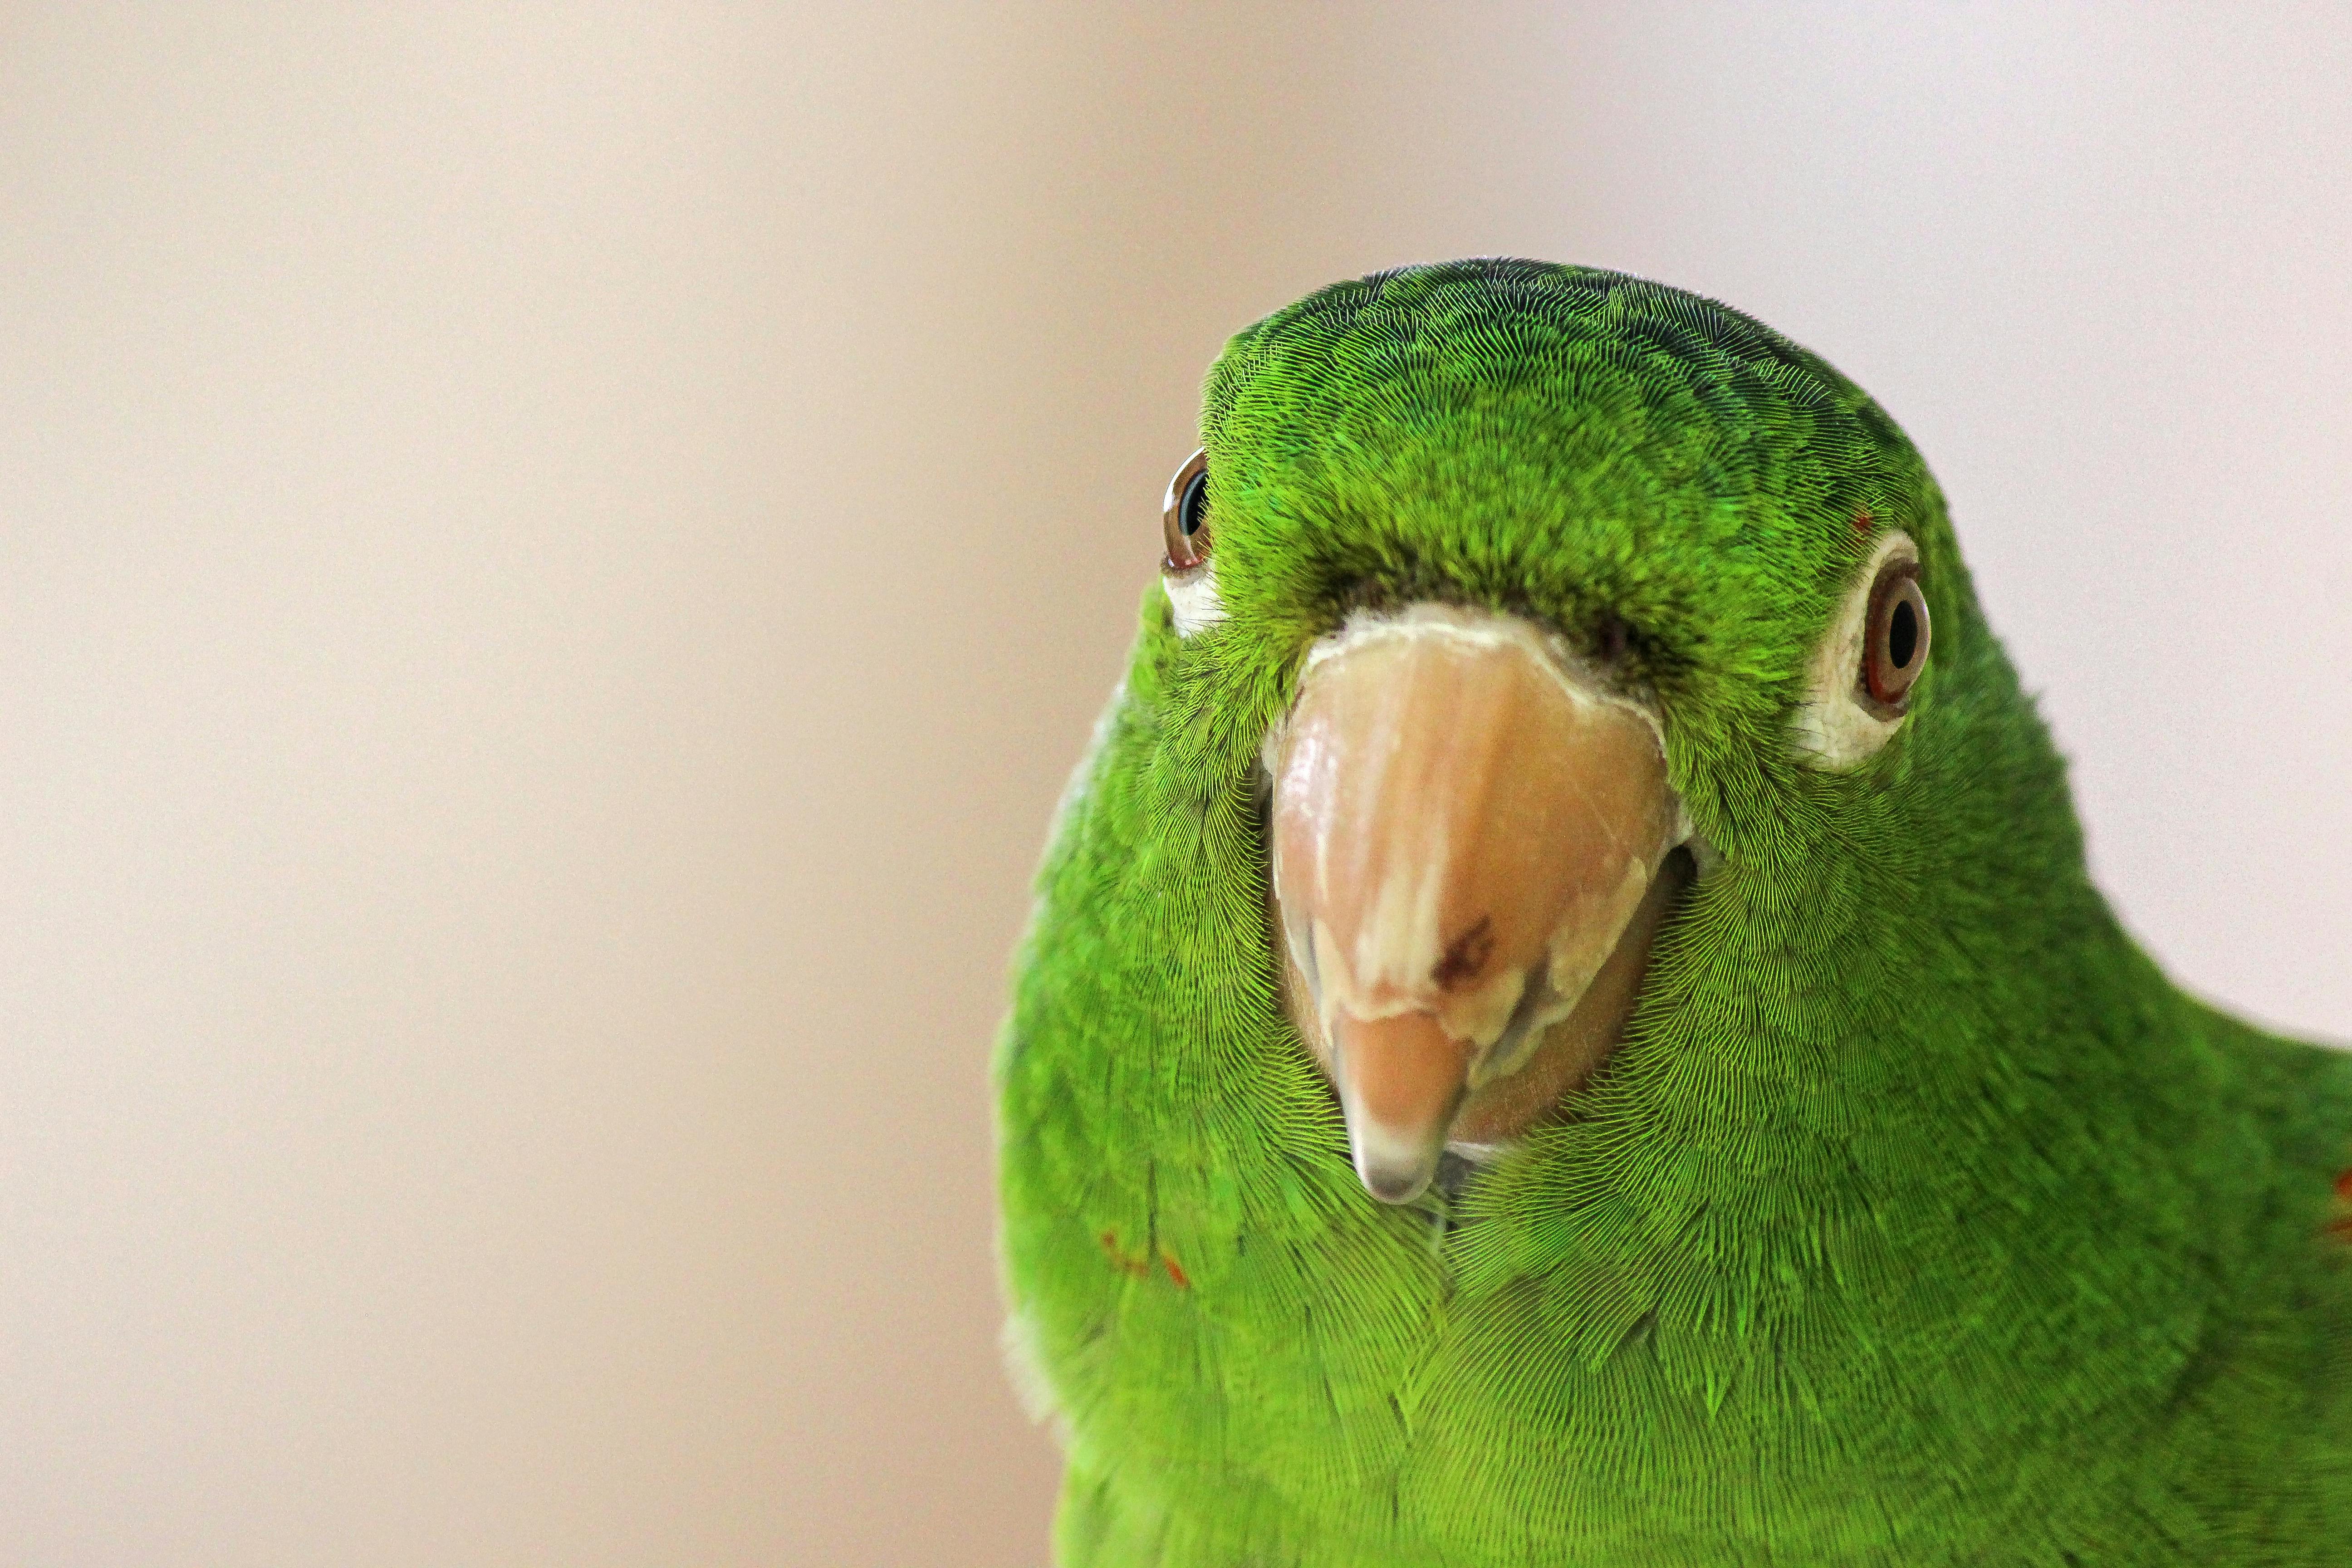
(555, 558)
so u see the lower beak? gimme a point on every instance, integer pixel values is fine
(1467, 844)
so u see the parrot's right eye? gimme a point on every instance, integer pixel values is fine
(1186, 522)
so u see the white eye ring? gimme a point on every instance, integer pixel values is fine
(1833, 728)
(1192, 595)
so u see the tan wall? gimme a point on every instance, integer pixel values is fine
(555, 558)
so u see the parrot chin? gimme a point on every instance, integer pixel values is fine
(1474, 844)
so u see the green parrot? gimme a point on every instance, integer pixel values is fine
(1566, 1022)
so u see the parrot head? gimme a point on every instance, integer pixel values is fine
(1564, 772)
(1548, 594)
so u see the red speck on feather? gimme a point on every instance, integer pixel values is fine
(1175, 1274)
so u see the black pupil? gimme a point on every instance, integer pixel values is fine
(1903, 634)
(1195, 502)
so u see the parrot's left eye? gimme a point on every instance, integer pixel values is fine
(1860, 678)
(1895, 638)
(1186, 519)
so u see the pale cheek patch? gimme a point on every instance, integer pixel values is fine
(1832, 729)
(1192, 595)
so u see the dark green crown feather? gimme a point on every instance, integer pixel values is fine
(1581, 446)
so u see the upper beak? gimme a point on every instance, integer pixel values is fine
(1467, 837)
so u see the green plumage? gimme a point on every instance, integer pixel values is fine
(1918, 1219)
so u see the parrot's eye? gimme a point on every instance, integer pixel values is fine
(1189, 580)
(1187, 520)
(1858, 681)
(1895, 639)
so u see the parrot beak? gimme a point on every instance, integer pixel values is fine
(1471, 843)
